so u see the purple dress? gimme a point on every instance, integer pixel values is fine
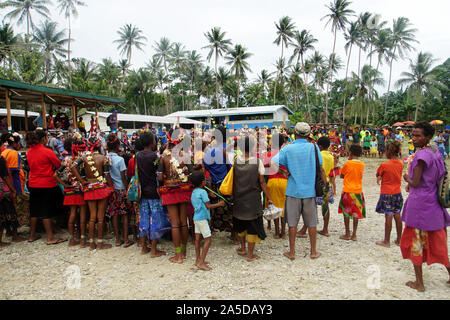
(422, 209)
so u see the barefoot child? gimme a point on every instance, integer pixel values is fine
(153, 217)
(425, 236)
(97, 188)
(352, 204)
(119, 205)
(202, 215)
(391, 201)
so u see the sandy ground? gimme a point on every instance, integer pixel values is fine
(346, 270)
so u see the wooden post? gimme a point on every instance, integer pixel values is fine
(26, 116)
(74, 116)
(44, 113)
(8, 110)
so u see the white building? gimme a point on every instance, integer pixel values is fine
(237, 118)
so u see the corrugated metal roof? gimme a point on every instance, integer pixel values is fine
(147, 119)
(18, 113)
(228, 112)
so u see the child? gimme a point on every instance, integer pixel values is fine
(201, 204)
(328, 166)
(391, 201)
(374, 147)
(352, 204)
(411, 147)
(119, 205)
(367, 142)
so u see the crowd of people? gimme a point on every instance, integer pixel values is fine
(168, 183)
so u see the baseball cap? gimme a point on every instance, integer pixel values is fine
(302, 128)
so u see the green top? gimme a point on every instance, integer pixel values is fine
(356, 137)
(367, 140)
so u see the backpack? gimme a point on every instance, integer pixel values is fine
(444, 190)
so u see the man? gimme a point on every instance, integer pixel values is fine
(446, 136)
(113, 122)
(38, 122)
(300, 159)
(356, 136)
(81, 126)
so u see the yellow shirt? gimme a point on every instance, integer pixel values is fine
(328, 163)
(81, 124)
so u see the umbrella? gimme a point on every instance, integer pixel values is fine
(436, 122)
(398, 124)
(409, 122)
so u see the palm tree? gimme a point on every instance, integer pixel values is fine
(178, 59)
(22, 9)
(382, 45)
(193, 69)
(69, 7)
(237, 59)
(83, 74)
(163, 52)
(421, 80)
(317, 62)
(129, 37)
(402, 37)
(285, 31)
(339, 19)
(218, 45)
(264, 79)
(52, 43)
(8, 41)
(303, 41)
(140, 83)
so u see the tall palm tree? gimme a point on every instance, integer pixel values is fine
(303, 42)
(264, 79)
(22, 9)
(237, 60)
(8, 41)
(339, 19)
(193, 69)
(285, 32)
(402, 38)
(163, 50)
(140, 81)
(382, 45)
(51, 42)
(129, 37)
(371, 28)
(317, 62)
(218, 45)
(421, 79)
(178, 60)
(69, 8)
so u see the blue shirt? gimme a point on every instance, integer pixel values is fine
(117, 166)
(215, 163)
(300, 159)
(39, 122)
(198, 199)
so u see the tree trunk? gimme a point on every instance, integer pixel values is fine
(238, 89)
(306, 89)
(389, 85)
(345, 89)
(68, 54)
(359, 63)
(145, 104)
(331, 76)
(217, 82)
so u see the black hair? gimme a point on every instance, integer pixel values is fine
(197, 178)
(356, 150)
(247, 145)
(147, 138)
(393, 149)
(324, 142)
(428, 130)
(35, 137)
(138, 146)
(4, 137)
(68, 144)
(113, 142)
(277, 138)
(12, 139)
(223, 132)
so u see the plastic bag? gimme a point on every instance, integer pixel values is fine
(272, 212)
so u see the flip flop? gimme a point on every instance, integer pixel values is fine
(129, 244)
(58, 241)
(36, 239)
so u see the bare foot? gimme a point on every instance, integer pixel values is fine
(128, 244)
(289, 256)
(83, 243)
(176, 259)
(241, 252)
(253, 258)
(145, 250)
(73, 243)
(383, 244)
(104, 246)
(416, 286)
(345, 237)
(19, 239)
(4, 244)
(323, 233)
(354, 238)
(315, 255)
(158, 254)
(37, 237)
(277, 236)
(203, 267)
(283, 236)
(301, 235)
(119, 243)
(92, 246)
(397, 242)
(236, 243)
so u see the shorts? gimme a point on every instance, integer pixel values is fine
(202, 227)
(366, 148)
(306, 207)
(390, 204)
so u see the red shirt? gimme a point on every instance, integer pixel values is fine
(267, 159)
(131, 170)
(391, 171)
(43, 164)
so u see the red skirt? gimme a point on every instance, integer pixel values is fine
(175, 195)
(73, 200)
(425, 246)
(96, 191)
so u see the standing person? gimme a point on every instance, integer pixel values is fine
(424, 238)
(381, 139)
(446, 137)
(94, 126)
(202, 216)
(45, 196)
(81, 126)
(119, 206)
(113, 122)
(439, 141)
(356, 136)
(389, 174)
(300, 159)
(153, 217)
(373, 147)
(97, 187)
(328, 197)
(366, 143)
(352, 204)
(248, 182)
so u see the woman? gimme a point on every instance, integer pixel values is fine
(14, 164)
(425, 236)
(45, 196)
(248, 181)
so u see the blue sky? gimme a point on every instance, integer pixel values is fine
(247, 22)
